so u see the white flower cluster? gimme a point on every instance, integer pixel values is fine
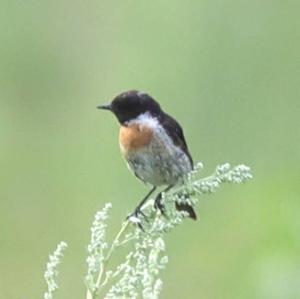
(96, 248)
(51, 270)
(223, 174)
(138, 276)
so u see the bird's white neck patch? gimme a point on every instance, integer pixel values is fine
(145, 119)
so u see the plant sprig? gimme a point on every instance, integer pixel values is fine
(138, 276)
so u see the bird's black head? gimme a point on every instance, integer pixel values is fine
(130, 104)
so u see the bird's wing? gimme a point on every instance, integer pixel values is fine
(175, 132)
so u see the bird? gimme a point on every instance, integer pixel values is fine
(153, 145)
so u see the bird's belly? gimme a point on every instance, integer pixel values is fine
(159, 163)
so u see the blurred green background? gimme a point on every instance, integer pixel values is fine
(227, 70)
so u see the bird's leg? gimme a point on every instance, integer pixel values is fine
(158, 200)
(138, 210)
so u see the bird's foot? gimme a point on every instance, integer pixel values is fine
(158, 205)
(135, 217)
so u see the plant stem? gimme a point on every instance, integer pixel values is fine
(93, 294)
(112, 247)
(90, 294)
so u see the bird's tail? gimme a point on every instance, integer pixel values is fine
(180, 206)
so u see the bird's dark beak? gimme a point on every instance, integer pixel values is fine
(104, 107)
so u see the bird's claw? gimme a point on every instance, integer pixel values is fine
(158, 205)
(136, 219)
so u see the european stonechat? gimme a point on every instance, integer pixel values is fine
(153, 145)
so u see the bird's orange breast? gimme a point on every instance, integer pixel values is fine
(133, 137)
